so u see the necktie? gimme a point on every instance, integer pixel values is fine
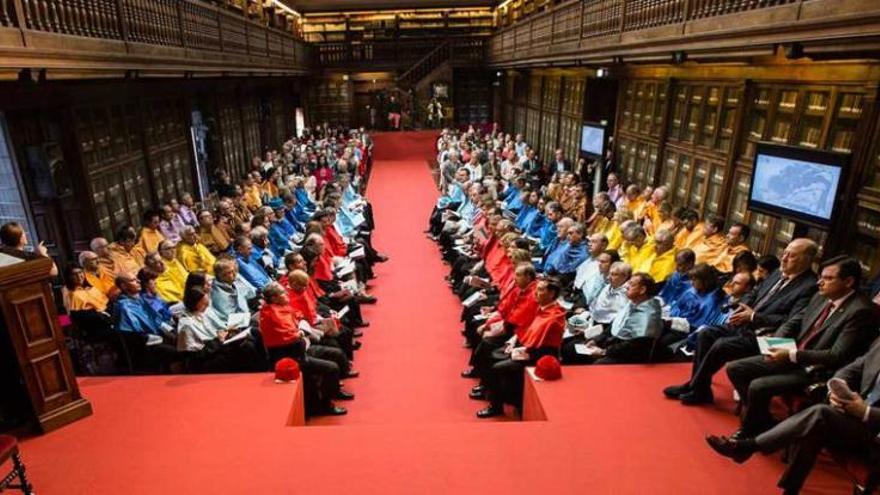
(816, 327)
(773, 290)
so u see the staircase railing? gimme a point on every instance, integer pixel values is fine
(425, 65)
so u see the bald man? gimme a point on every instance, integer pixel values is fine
(307, 308)
(777, 299)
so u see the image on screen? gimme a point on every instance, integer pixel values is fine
(593, 140)
(803, 187)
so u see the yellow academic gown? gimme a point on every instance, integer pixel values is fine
(660, 267)
(126, 261)
(196, 258)
(150, 239)
(687, 239)
(171, 283)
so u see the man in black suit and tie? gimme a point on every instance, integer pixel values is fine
(782, 295)
(837, 326)
(848, 424)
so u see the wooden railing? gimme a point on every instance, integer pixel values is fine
(609, 26)
(400, 54)
(190, 25)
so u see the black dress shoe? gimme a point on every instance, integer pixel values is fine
(694, 399)
(478, 389)
(469, 373)
(357, 334)
(676, 391)
(352, 374)
(343, 395)
(366, 299)
(490, 412)
(363, 324)
(738, 450)
(331, 410)
(477, 394)
(381, 258)
(356, 345)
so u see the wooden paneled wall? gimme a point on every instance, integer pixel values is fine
(694, 129)
(95, 156)
(546, 106)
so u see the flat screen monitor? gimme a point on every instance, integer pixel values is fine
(593, 140)
(800, 184)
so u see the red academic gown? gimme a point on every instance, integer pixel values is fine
(278, 325)
(334, 242)
(518, 307)
(546, 329)
(324, 267)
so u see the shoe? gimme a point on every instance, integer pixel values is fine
(352, 374)
(490, 412)
(477, 394)
(738, 450)
(357, 334)
(469, 373)
(363, 324)
(366, 299)
(694, 399)
(478, 389)
(332, 410)
(676, 391)
(343, 395)
(381, 258)
(356, 345)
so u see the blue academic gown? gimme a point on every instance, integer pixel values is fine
(134, 314)
(456, 195)
(252, 272)
(566, 258)
(536, 227)
(525, 216)
(549, 235)
(674, 287)
(279, 241)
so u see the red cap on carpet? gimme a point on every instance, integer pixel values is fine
(286, 370)
(548, 368)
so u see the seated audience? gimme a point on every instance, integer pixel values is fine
(777, 299)
(835, 327)
(543, 336)
(283, 337)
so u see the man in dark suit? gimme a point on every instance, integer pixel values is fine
(559, 164)
(848, 424)
(836, 327)
(782, 295)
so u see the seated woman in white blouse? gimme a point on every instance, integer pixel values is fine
(203, 334)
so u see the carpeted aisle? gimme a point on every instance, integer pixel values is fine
(412, 352)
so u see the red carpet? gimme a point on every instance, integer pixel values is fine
(411, 429)
(412, 352)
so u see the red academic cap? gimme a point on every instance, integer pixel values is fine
(548, 368)
(286, 370)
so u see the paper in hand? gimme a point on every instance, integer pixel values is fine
(587, 350)
(240, 335)
(238, 320)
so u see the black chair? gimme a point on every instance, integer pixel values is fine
(9, 450)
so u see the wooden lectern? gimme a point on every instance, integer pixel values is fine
(31, 323)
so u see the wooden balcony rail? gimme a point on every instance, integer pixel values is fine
(597, 26)
(396, 54)
(186, 24)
